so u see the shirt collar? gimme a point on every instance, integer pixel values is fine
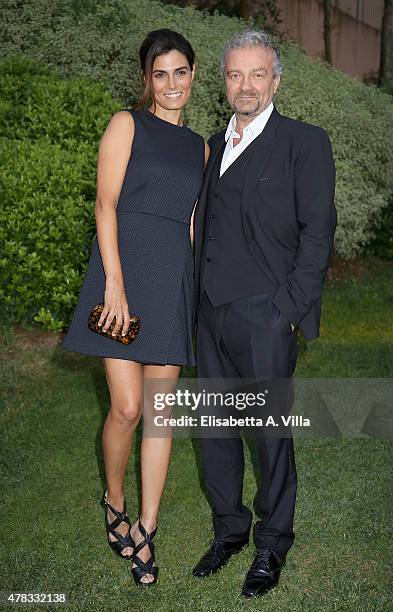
(255, 127)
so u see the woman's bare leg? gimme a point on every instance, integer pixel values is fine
(155, 457)
(125, 382)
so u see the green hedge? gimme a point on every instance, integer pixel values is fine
(94, 45)
(51, 129)
(382, 244)
(99, 39)
(37, 104)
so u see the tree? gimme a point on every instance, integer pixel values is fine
(386, 54)
(247, 8)
(327, 30)
(265, 12)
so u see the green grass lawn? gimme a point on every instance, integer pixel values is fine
(52, 529)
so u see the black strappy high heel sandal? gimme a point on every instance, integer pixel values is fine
(122, 541)
(143, 568)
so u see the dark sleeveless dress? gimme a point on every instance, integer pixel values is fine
(162, 182)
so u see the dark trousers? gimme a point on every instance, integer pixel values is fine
(248, 338)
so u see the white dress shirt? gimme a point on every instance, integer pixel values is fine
(250, 132)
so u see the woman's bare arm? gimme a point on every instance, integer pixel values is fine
(113, 155)
(207, 153)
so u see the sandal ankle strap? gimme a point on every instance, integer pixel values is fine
(147, 540)
(145, 567)
(120, 515)
(148, 536)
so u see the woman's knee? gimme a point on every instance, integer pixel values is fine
(127, 412)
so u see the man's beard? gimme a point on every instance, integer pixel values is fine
(248, 112)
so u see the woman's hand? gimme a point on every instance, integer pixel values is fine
(115, 305)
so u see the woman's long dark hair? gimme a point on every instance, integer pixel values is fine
(156, 43)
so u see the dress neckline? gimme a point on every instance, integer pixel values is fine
(153, 116)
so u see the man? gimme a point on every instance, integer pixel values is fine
(264, 228)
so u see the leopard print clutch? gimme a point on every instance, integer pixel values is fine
(132, 332)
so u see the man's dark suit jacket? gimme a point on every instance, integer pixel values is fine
(288, 214)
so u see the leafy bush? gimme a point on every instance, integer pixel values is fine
(359, 121)
(97, 41)
(382, 244)
(100, 39)
(38, 104)
(47, 186)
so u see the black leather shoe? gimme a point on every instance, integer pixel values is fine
(263, 574)
(216, 557)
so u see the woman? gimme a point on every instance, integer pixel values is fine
(149, 175)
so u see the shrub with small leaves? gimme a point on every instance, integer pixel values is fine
(382, 244)
(51, 122)
(100, 40)
(47, 186)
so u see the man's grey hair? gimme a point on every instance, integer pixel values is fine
(253, 38)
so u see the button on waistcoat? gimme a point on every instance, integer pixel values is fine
(228, 270)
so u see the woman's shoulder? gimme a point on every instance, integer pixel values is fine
(138, 114)
(193, 132)
(119, 127)
(197, 137)
(123, 117)
(127, 112)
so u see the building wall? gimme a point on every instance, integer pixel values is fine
(355, 31)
